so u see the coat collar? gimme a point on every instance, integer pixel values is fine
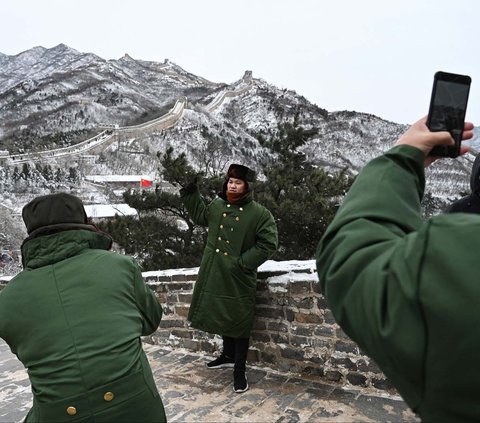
(244, 200)
(49, 249)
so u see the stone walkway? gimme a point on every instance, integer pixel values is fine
(193, 393)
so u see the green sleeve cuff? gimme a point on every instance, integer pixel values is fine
(410, 151)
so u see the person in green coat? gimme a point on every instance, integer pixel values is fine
(242, 235)
(74, 317)
(406, 289)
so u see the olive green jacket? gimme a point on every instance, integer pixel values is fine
(241, 237)
(408, 290)
(74, 317)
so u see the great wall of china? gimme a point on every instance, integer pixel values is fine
(114, 132)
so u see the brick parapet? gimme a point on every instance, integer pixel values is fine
(293, 331)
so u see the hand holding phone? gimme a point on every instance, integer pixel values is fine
(448, 106)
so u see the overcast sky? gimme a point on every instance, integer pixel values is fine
(373, 56)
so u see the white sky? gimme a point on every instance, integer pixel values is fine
(373, 56)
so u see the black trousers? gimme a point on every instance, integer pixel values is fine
(236, 348)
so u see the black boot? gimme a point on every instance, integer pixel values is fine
(240, 383)
(226, 359)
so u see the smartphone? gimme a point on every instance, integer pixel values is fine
(448, 106)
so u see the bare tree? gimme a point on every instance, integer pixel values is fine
(214, 155)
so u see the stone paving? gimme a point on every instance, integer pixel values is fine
(193, 393)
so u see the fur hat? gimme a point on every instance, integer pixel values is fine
(60, 211)
(239, 171)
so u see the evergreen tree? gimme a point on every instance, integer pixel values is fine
(59, 175)
(302, 197)
(72, 175)
(15, 174)
(47, 172)
(156, 243)
(25, 174)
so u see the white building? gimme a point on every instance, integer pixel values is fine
(105, 211)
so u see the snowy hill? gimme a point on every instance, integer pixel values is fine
(114, 117)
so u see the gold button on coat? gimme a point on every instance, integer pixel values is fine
(71, 411)
(108, 396)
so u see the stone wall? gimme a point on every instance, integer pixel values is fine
(294, 330)
(221, 96)
(104, 138)
(165, 121)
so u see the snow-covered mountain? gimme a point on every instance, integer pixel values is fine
(47, 92)
(131, 110)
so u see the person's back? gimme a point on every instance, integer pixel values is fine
(74, 317)
(406, 290)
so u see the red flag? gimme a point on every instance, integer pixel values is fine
(145, 183)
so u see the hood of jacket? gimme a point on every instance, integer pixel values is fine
(45, 250)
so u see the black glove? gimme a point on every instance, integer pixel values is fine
(191, 187)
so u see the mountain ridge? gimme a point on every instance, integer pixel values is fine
(59, 97)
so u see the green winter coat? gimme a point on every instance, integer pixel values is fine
(241, 237)
(74, 317)
(407, 290)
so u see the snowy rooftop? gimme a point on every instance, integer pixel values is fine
(109, 210)
(117, 178)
